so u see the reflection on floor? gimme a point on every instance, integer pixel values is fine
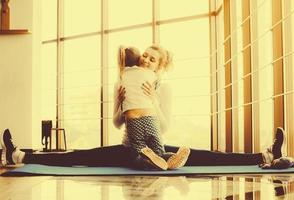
(148, 187)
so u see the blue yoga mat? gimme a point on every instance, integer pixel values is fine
(34, 170)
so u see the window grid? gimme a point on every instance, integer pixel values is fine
(288, 74)
(264, 67)
(59, 80)
(235, 73)
(213, 81)
(269, 30)
(255, 78)
(247, 18)
(228, 77)
(280, 66)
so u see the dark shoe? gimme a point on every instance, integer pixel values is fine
(7, 148)
(280, 163)
(279, 141)
(283, 163)
(275, 150)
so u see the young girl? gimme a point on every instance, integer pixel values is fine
(141, 118)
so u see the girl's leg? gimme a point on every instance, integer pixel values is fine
(117, 155)
(152, 130)
(205, 157)
(140, 131)
(135, 134)
(173, 160)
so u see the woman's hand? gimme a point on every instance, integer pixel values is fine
(120, 96)
(149, 90)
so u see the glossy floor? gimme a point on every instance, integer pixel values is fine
(148, 187)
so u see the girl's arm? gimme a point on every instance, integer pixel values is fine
(119, 96)
(162, 103)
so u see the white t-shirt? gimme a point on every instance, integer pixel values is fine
(132, 80)
(164, 97)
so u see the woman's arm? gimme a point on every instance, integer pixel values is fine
(119, 96)
(162, 101)
(165, 104)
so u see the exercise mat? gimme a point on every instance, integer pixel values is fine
(37, 170)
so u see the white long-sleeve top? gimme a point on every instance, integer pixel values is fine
(132, 79)
(162, 106)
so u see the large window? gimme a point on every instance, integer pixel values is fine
(288, 24)
(49, 61)
(79, 75)
(80, 17)
(258, 43)
(237, 76)
(49, 81)
(220, 78)
(190, 82)
(265, 40)
(81, 91)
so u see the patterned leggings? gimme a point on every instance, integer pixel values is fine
(144, 131)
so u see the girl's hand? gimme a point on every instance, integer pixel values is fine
(149, 90)
(120, 96)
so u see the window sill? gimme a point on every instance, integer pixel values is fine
(14, 31)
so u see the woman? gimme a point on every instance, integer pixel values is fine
(120, 155)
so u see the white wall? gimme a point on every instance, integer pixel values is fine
(20, 75)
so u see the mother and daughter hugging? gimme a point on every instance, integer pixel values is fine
(143, 104)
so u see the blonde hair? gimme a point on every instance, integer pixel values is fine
(166, 58)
